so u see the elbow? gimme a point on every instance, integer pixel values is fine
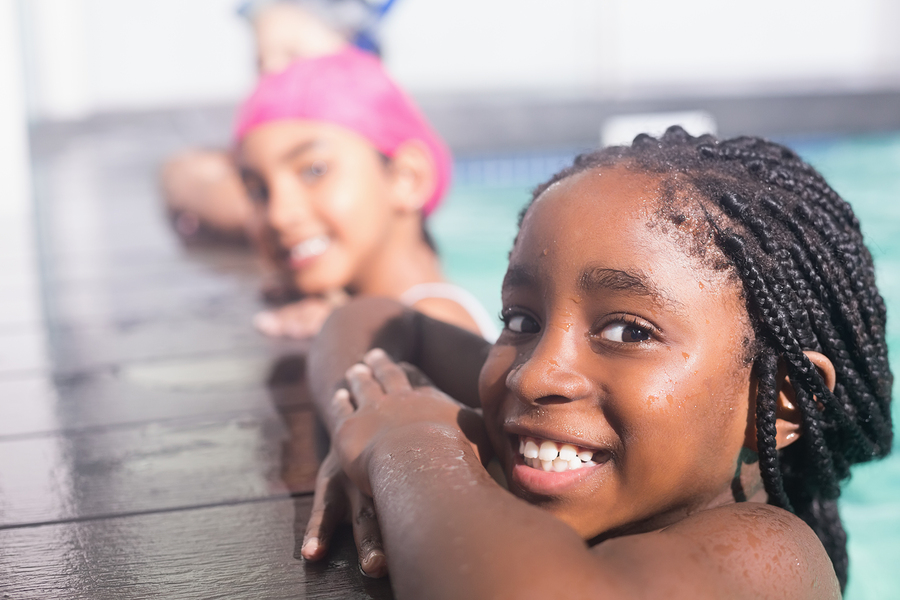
(353, 329)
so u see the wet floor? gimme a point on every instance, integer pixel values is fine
(152, 445)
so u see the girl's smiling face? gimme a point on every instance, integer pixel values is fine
(623, 354)
(325, 193)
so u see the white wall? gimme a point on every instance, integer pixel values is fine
(96, 55)
(15, 188)
(622, 46)
(86, 56)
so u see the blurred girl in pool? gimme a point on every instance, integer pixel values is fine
(202, 187)
(693, 356)
(344, 169)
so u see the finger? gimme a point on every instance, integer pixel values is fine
(367, 534)
(342, 404)
(328, 510)
(386, 371)
(363, 386)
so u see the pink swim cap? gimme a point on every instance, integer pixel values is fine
(350, 89)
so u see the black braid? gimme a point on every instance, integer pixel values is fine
(809, 284)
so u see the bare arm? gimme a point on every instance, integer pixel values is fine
(451, 532)
(451, 357)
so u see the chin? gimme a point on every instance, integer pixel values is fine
(317, 286)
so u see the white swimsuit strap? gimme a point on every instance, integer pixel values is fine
(464, 298)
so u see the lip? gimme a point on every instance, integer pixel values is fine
(550, 483)
(307, 251)
(516, 430)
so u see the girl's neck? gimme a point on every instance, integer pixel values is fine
(402, 261)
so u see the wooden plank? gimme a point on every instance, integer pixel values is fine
(157, 466)
(174, 260)
(112, 298)
(29, 351)
(74, 350)
(236, 551)
(142, 392)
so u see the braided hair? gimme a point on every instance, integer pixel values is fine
(808, 283)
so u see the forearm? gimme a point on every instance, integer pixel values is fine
(449, 356)
(451, 532)
(347, 335)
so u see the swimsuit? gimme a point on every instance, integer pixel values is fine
(464, 298)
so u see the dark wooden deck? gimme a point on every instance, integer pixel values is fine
(152, 445)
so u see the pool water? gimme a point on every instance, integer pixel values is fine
(475, 229)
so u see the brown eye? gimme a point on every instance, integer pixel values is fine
(315, 170)
(625, 333)
(519, 323)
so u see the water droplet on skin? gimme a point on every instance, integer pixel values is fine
(545, 252)
(685, 355)
(701, 285)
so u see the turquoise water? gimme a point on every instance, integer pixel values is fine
(475, 229)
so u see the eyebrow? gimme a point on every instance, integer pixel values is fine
(634, 282)
(298, 150)
(518, 276)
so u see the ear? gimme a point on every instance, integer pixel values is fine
(788, 418)
(413, 176)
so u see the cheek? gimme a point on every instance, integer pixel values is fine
(357, 211)
(492, 380)
(679, 399)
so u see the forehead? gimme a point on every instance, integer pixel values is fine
(283, 139)
(600, 205)
(616, 217)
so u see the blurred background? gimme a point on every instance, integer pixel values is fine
(85, 58)
(94, 94)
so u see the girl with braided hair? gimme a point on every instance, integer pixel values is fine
(693, 356)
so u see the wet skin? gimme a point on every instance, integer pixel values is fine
(618, 341)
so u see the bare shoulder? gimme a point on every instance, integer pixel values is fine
(745, 550)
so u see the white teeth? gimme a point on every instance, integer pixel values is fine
(550, 456)
(567, 452)
(548, 450)
(313, 246)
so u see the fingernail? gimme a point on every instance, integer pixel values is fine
(310, 546)
(374, 564)
(375, 353)
(358, 369)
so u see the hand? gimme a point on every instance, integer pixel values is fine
(297, 320)
(381, 402)
(337, 499)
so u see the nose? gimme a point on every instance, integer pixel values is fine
(287, 208)
(550, 373)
